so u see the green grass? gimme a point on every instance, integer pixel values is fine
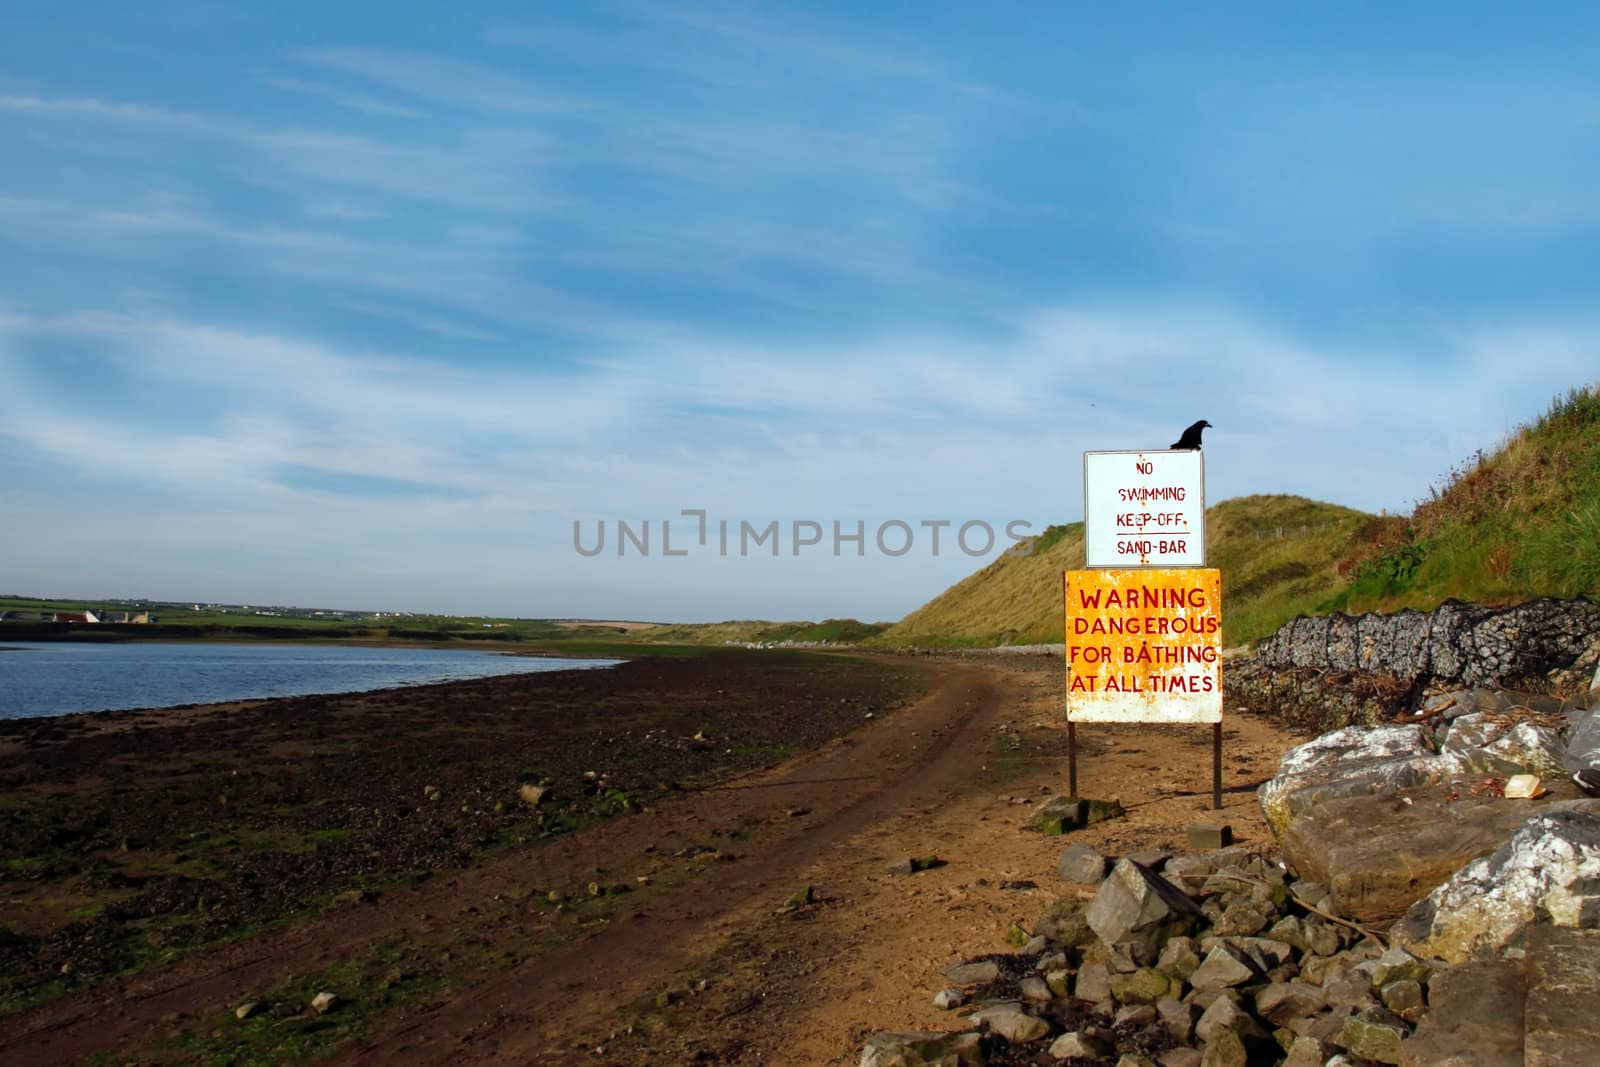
(1521, 521)
(380, 979)
(377, 981)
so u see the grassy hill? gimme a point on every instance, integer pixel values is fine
(1523, 521)
(1278, 555)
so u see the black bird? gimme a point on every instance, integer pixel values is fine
(1191, 436)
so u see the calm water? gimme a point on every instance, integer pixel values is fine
(47, 678)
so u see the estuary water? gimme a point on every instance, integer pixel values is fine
(52, 678)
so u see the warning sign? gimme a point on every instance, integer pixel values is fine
(1144, 645)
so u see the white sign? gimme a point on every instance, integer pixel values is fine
(1145, 509)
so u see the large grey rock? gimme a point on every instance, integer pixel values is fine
(1538, 1009)
(1081, 864)
(1136, 907)
(1480, 742)
(1355, 761)
(926, 1048)
(1474, 1018)
(1379, 854)
(1363, 760)
(1549, 871)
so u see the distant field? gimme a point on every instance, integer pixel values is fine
(834, 631)
(567, 636)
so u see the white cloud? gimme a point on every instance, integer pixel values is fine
(367, 105)
(442, 80)
(483, 168)
(929, 427)
(131, 113)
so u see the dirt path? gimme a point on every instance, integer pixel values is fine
(537, 1013)
(701, 964)
(803, 987)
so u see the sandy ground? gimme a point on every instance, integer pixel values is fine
(703, 963)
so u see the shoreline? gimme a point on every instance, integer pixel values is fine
(464, 644)
(202, 706)
(143, 837)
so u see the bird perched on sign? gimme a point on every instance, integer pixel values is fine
(1191, 436)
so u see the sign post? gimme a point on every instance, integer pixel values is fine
(1144, 622)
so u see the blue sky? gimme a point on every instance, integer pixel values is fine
(364, 305)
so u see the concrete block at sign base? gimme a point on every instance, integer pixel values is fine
(1206, 837)
(1071, 813)
(1062, 814)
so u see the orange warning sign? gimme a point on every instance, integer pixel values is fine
(1144, 645)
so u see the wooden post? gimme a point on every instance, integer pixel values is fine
(1072, 758)
(1216, 766)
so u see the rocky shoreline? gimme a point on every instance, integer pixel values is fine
(1409, 912)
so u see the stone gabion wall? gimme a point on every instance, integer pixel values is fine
(1324, 672)
(1455, 643)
